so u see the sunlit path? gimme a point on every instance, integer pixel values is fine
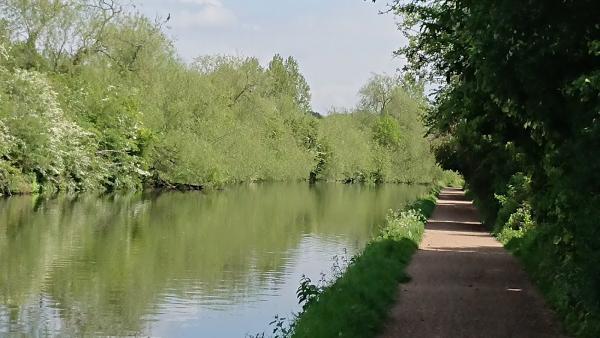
(464, 284)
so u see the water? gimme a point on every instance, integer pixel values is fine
(217, 264)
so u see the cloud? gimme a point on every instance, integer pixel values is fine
(202, 2)
(204, 14)
(251, 27)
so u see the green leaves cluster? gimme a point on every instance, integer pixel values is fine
(39, 143)
(519, 93)
(383, 139)
(94, 97)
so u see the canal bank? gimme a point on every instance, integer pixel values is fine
(356, 304)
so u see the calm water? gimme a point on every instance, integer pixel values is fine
(219, 264)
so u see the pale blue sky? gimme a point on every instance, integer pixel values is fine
(338, 43)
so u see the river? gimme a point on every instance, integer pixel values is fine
(216, 264)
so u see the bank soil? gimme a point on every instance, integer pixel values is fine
(465, 284)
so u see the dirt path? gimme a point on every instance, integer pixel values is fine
(464, 284)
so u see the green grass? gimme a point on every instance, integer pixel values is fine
(357, 304)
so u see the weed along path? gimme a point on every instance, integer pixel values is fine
(464, 284)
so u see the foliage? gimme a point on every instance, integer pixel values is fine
(451, 179)
(403, 224)
(514, 218)
(94, 97)
(40, 140)
(380, 142)
(377, 94)
(517, 95)
(517, 226)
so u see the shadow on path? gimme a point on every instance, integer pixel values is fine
(465, 284)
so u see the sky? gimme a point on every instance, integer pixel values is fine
(339, 44)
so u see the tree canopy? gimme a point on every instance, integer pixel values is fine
(93, 96)
(516, 110)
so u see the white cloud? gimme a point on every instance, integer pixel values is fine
(217, 3)
(203, 14)
(251, 27)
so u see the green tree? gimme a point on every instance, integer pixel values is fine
(518, 93)
(378, 93)
(286, 79)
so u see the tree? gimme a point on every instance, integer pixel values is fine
(59, 30)
(378, 92)
(518, 87)
(286, 79)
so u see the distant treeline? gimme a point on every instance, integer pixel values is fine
(94, 97)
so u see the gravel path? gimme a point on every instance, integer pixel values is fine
(465, 284)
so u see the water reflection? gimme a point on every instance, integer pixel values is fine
(175, 264)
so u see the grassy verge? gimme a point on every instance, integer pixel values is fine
(357, 304)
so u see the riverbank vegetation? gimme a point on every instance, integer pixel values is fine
(94, 97)
(516, 112)
(356, 299)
